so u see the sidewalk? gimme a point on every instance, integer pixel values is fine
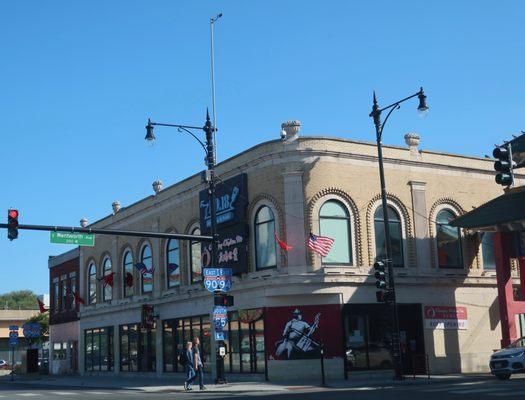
(174, 383)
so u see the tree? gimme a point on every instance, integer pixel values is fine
(19, 300)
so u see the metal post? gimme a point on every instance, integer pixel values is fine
(395, 350)
(12, 364)
(323, 380)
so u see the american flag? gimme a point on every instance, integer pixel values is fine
(320, 244)
(143, 269)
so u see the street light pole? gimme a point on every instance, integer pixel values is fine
(391, 297)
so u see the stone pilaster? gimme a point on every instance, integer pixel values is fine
(420, 216)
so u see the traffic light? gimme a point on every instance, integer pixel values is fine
(12, 224)
(381, 294)
(222, 299)
(504, 165)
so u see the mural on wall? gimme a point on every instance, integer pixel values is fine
(299, 332)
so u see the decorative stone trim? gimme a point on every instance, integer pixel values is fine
(407, 223)
(358, 262)
(444, 202)
(281, 228)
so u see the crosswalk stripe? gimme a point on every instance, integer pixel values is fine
(26, 394)
(484, 390)
(64, 393)
(89, 392)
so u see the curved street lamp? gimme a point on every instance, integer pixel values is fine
(391, 297)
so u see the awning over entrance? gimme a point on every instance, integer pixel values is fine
(504, 213)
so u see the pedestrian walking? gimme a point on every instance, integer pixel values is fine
(197, 362)
(187, 358)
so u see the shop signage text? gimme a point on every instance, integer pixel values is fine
(446, 317)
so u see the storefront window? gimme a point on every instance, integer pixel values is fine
(396, 235)
(177, 332)
(265, 250)
(137, 349)
(448, 241)
(334, 222)
(173, 263)
(147, 278)
(98, 349)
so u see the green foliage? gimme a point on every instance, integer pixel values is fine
(19, 300)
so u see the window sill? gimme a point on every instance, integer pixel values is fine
(341, 269)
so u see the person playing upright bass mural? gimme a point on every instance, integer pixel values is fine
(297, 341)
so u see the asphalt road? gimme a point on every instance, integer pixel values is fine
(465, 390)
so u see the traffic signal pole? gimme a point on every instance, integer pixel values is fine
(74, 229)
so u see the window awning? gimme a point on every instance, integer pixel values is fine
(504, 213)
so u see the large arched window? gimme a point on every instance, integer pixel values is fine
(334, 222)
(92, 283)
(195, 258)
(396, 236)
(448, 241)
(487, 250)
(265, 250)
(147, 277)
(127, 274)
(173, 263)
(107, 289)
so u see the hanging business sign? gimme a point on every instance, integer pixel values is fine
(446, 317)
(217, 279)
(231, 200)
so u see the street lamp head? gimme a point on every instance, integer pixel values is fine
(423, 107)
(150, 137)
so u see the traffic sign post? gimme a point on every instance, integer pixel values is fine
(13, 342)
(80, 239)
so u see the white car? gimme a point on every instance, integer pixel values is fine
(508, 361)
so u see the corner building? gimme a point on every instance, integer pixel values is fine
(288, 303)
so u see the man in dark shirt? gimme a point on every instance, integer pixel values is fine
(197, 362)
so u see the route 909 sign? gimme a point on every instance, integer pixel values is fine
(217, 279)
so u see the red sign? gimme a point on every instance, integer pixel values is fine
(299, 332)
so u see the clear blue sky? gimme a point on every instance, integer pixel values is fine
(78, 81)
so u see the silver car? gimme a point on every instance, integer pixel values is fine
(508, 361)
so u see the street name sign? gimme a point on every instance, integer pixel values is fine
(80, 239)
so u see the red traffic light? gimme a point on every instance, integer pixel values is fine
(12, 214)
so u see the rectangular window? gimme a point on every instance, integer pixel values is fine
(98, 349)
(72, 290)
(63, 293)
(60, 351)
(56, 295)
(137, 348)
(177, 332)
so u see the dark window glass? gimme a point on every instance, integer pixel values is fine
(448, 241)
(334, 222)
(195, 258)
(92, 284)
(137, 349)
(56, 295)
(147, 278)
(396, 236)
(107, 290)
(265, 249)
(127, 274)
(72, 290)
(173, 263)
(487, 250)
(98, 349)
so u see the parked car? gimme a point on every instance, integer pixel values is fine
(508, 361)
(4, 364)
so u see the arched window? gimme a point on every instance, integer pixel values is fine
(127, 274)
(334, 222)
(448, 241)
(265, 250)
(147, 277)
(396, 236)
(487, 250)
(92, 284)
(173, 263)
(195, 258)
(107, 289)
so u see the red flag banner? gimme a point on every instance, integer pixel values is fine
(282, 244)
(107, 279)
(42, 307)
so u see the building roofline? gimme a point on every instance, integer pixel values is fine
(63, 257)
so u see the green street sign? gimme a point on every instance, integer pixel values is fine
(81, 239)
